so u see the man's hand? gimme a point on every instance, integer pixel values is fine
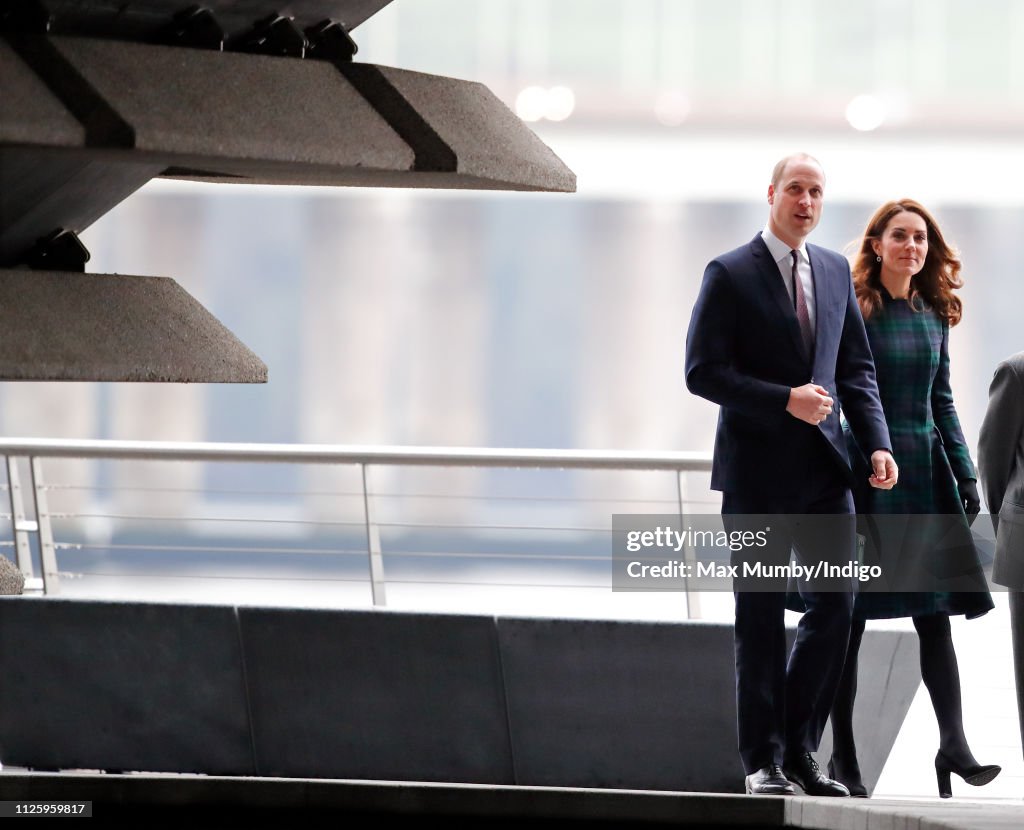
(810, 403)
(968, 489)
(885, 470)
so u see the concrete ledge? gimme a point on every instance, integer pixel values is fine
(382, 695)
(366, 803)
(621, 704)
(233, 116)
(124, 686)
(879, 814)
(238, 106)
(413, 800)
(114, 327)
(652, 705)
(472, 133)
(379, 694)
(86, 121)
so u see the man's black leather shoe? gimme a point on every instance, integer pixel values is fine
(769, 780)
(803, 771)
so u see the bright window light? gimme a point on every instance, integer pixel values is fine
(865, 112)
(531, 103)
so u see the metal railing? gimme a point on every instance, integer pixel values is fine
(33, 519)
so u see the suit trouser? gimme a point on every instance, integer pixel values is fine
(782, 704)
(1017, 629)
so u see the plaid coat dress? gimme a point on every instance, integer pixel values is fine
(910, 347)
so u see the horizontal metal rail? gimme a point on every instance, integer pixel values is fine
(39, 519)
(370, 455)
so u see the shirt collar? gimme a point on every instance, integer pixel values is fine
(779, 249)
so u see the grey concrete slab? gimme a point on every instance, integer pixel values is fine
(621, 704)
(877, 817)
(29, 112)
(221, 116)
(814, 813)
(651, 705)
(126, 111)
(113, 327)
(238, 106)
(383, 695)
(123, 686)
(890, 814)
(487, 139)
(376, 694)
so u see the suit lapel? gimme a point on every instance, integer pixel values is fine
(769, 273)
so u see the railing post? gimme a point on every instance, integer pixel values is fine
(47, 551)
(689, 554)
(20, 526)
(373, 544)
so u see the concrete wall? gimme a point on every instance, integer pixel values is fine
(390, 695)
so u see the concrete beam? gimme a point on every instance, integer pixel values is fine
(464, 136)
(242, 113)
(86, 121)
(29, 112)
(113, 327)
(122, 112)
(146, 20)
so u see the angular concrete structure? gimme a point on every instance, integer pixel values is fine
(113, 327)
(100, 98)
(392, 696)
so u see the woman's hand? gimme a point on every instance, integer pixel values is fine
(885, 470)
(968, 489)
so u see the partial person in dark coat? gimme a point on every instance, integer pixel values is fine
(1001, 462)
(777, 341)
(904, 274)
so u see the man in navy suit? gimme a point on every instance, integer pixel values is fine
(775, 339)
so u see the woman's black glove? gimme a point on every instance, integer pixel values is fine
(969, 497)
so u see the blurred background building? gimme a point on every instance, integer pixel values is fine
(512, 319)
(558, 321)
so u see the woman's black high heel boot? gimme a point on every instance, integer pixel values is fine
(843, 766)
(850, 778)
(941, 677)
(976, 775)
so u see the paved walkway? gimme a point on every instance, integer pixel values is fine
(467, 805)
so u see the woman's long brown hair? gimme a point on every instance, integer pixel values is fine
(934, 283)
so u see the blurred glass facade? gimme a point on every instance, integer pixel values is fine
(420, 317)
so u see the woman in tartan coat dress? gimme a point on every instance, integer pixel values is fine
(904, 274)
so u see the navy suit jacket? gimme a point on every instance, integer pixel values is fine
(744, 352)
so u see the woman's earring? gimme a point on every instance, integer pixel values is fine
(878, 259)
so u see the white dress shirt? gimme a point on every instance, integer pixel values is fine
(780, 252)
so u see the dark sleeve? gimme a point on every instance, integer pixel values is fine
(856, 382)
(946, 418)
(711, 352)
(1000, 434)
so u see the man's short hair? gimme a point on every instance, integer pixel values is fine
(780, 168)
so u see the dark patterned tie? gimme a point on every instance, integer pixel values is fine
(800, 303)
